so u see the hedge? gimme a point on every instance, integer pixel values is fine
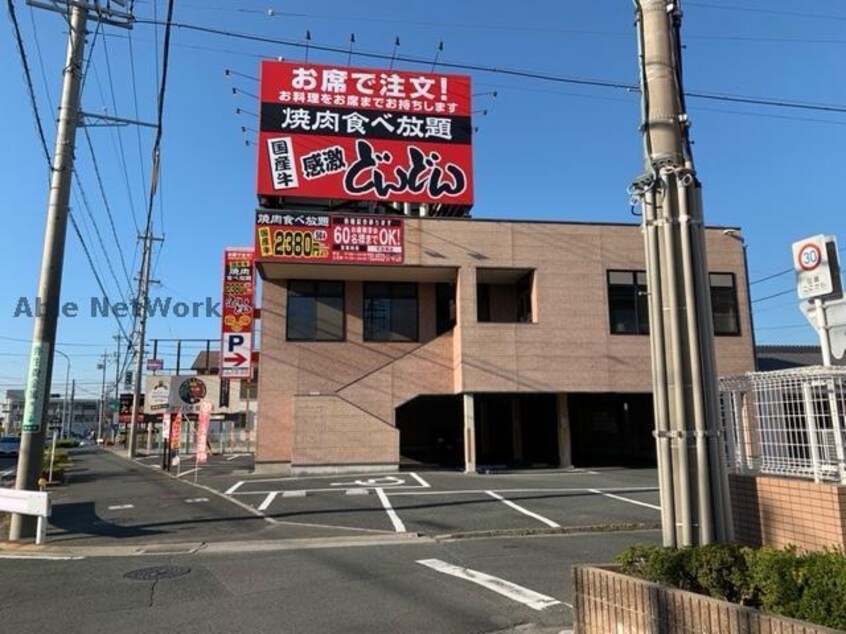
(806, 586)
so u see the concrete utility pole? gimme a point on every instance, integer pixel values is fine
(691, 464)
(102, 413)
(40, 372)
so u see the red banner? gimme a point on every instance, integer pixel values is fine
(176, 431)
(238, 313)
(362, 134)
(338, 238)
(203, 433)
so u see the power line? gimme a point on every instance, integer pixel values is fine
(774, 295)
(745, 99)
(107, 206)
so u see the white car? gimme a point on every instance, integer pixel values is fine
(10, 445)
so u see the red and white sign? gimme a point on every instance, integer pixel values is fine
(155, 364)
(176, 431)
(813, 270)
(238, 313)
(338, 238)
(328, 132)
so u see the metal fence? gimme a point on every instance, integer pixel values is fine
(787, 423)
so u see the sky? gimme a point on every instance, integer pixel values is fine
(547, 147)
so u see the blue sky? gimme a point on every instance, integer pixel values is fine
(546, 149)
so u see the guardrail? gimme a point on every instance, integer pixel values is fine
(35, 503)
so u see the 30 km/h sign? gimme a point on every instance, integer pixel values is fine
(810, 256)
(812, 266)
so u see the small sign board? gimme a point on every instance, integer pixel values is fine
(155, 364)
(817, 270)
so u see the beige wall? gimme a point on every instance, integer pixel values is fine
(567, 349)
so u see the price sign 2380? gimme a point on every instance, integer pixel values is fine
(292, 243)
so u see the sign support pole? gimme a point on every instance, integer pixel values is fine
(822, 326)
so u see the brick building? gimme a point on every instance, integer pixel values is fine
(495, 343)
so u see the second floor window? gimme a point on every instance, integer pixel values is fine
(315, 310)
(628, 306)
(390, 311)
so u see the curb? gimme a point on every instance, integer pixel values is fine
(562, 530)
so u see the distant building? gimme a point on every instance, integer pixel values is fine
(82, 413)
(783, 357)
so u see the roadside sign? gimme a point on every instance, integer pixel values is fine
(816, 266)
(834, 316)
(236, 352)
(155, 364)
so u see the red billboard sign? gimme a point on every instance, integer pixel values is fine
(236, 343)
(328, 132)
(338, 238)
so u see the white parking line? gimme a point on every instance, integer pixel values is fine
(530, 598)
(234, 488)
(622, 499)
(357, 491)
(119, 507)
(293, 494)
(394, 492)
(524, 511)
(422, 482)
(395, 520)
(267, 501)
(196, 500)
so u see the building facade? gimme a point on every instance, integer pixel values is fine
(78, 415)
(494, 344)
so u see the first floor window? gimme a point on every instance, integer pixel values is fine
(315, 310)
(390, 311)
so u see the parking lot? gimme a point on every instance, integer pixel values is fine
(443, 503)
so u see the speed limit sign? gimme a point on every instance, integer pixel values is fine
(809, 256)
(812, 261)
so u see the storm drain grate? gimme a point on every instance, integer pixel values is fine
(155, 573)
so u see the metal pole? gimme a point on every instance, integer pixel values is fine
(67, 387)
(822, 326)
(40, 371)
(71, 407)
(102, 366)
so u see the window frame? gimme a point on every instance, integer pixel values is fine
(366, 333)
(641, 325)
(315, 297)
(737, 332)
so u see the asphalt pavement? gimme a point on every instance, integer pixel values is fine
(220, 549)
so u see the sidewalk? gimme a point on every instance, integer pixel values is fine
(110, 501)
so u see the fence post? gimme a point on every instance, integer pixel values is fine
(812, 430)
(837, 427)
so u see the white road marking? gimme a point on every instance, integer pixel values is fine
(196, 500)
(44, 557)
(383, 481)
(622, 499)
(118, 507)
(395, 520)
(523, 510)
(267, 501)
(293, 494)
(357, 492)
(236, 456)
(542, 490)
(530, 598)
(234, 488)
(422, 482)
(185, 473)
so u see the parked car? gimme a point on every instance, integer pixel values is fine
(10, 445)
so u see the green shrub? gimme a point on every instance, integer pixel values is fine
(810, 587)
(775, 579)
(823, 599)
(67, 443)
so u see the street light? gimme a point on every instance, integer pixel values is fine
(733, 233)
(65, 402)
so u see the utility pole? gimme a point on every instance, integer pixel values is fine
(40, 372)
(71, 406)
(141, 314)
(102, 366)
(691, 464)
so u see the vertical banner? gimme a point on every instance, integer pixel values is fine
(236, 342)
(203, 432)
(175, 431)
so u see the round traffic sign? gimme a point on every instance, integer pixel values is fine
(809, 257)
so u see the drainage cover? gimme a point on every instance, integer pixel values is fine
(155, 573)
